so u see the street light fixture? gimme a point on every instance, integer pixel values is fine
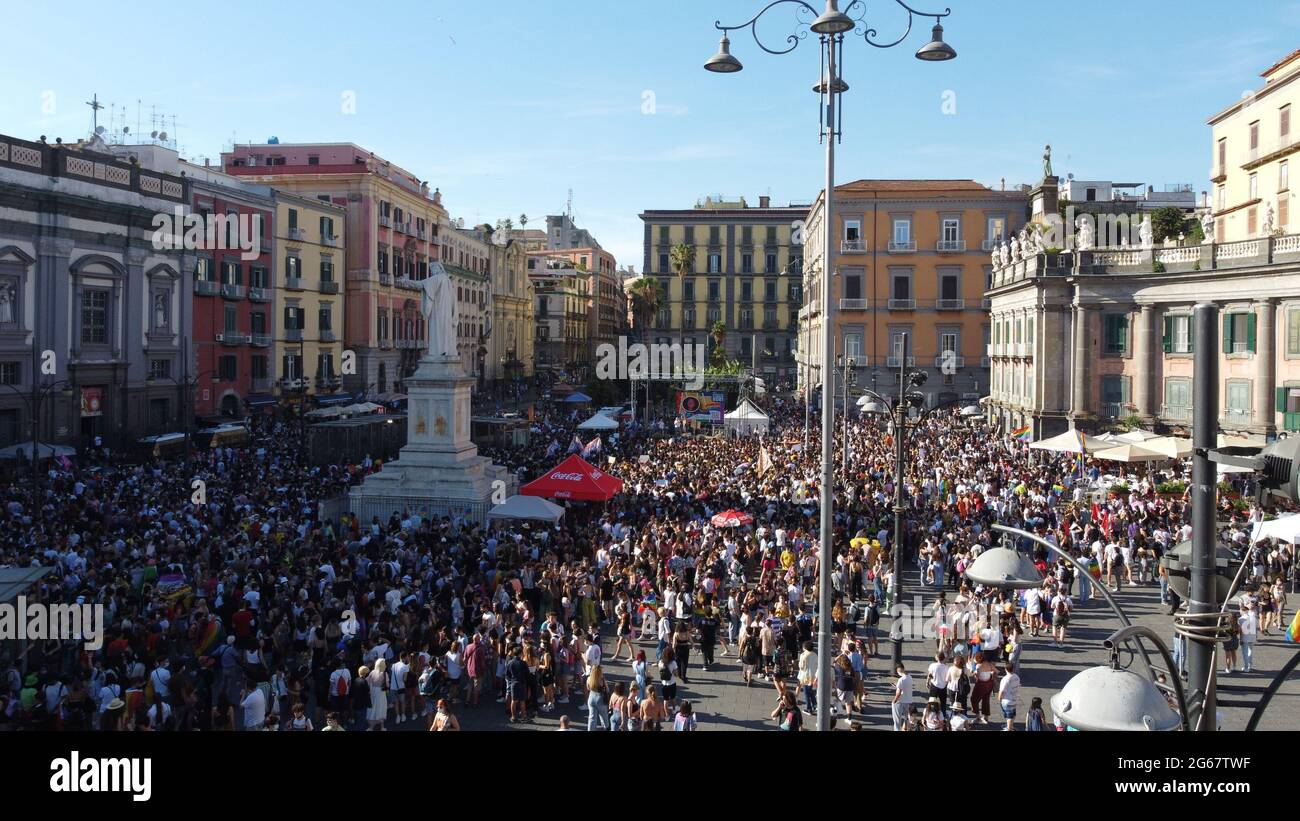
(831, 26)
(936, 51)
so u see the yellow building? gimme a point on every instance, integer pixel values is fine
(1253, 147)
(510, 347)
(746, 274)
(911, 260)
(309, 266)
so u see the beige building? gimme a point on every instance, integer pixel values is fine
(466, 253)
(1087, 338)
(510, 346)
(562, 316)
(1254, 144)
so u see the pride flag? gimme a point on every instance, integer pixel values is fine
(1293, 632)
(211, 637)
(1024, 434)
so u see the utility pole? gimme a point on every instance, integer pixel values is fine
(1203, 592)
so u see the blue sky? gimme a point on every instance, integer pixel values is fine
(507, 109)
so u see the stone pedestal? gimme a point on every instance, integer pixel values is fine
(439, 472)
(1044, 198)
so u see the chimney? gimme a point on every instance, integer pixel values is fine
(764, 202)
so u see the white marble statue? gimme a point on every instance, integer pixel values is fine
(1015, 250)
(1145, 232)
(160, 311)
(1207, 227)
(1006, 253)
(6, 302)
(1268, 221)
(996, 256)
(1086, 237)
(439, 309)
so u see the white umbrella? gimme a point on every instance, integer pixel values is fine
(1284, 529)
(1072, 441)
(1130, 453)
(1175, 447)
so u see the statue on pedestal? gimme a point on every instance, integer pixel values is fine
(1047, 162)
(1085, 233)
(1005, 252)
(1268, 221)
(1015, 250)
(1207, 227)
(438, 306)
(1145, 232)
(996, 256)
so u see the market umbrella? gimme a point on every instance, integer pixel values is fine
(1130, 453)
(1175, 447)
(732, 518)
(1072, 441)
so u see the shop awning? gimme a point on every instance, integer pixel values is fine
(259, 400)
(335, 399)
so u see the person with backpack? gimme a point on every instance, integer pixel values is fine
(787, 713)
(1061, 607)
(685, 721)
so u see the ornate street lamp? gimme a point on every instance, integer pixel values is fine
(831, 27)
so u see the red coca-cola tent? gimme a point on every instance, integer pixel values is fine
(574, 479)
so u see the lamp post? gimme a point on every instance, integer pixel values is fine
(850, 379)
(39, 393)
(831, 27)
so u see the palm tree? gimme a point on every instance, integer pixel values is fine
(647, 298)
(719, 334)
(682, 259)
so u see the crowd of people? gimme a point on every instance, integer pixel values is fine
(245, 608)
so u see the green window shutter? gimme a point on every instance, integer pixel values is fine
(1167, 341)
(1250, 331)
(1227, 333)
(1280, 399)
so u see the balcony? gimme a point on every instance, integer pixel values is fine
(1024, 349)
(385, 222)
(1176, 413)
(232, 338)
(1218, 173)
(299, 234)
(385, 344)
(1236, 417)
(908, 247)
(990, 244)
(232, 291)
(853, 304)
(985, 362)
(385, 279)
(950, 304)
(992, 350)
(298, 384)
(327, 336)
(1274, 150)
(951, 246)
(420, 233)
(898, 362)
(902, 304)
(261, 385)
(853, 246)
(771, 324)
(986, 303)
(259, 294)
(206, 287)
(331, 241)
(260, 340)
(949, 360)
(293, 334)
(329, 286)
(293, 283)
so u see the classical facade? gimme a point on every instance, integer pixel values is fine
(94, 315)
(603, 324)
(747, 274)
(562, 316)
(467, 255)
(308, 344)
(911, 260)
(510, 348)
(1253, 145)
(392, 234)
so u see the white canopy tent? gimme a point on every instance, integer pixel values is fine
(531, 508)
(1137, 436)
(44, 451)
(1284, 529)
(1130, 453)
(747, 418)
(599, 421)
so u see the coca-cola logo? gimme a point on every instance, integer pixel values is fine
(567, 477)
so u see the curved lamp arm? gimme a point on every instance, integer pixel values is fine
(752, 24)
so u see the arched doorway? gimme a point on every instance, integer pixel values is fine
(230, 405)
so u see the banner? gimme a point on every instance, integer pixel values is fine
(690, 403)
(92, 402)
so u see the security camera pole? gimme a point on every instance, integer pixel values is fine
(1200, 660)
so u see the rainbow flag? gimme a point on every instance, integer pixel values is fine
(1293, 632)
(1024, 434)
(1094, 568)
(210, 639)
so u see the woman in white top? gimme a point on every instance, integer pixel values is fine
(378, 681)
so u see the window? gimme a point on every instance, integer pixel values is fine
(1178, 334)
(1284, 122)
(1115, 393)
(897, 344)
(1283, 176)
(997, 229)
(325, 317)
(901, 286)
(1223, 197)
(746, 348)
(746, 292)
(231, 319)
(258, 278)
(203, 269)
(1029, 330)
(1254, 187)
(715, 235)
(159, 413)
(853, 346)
(10, 373)
(228, 368)
(293, 219)
(747, 263)
(746, 319)
(948, 344)
(769, 266)
(326, 271)
(949, 286)
(231, 273)
(94, 317)
(663, 235)
(8, 427)
(1223, 156)
(1293, 332)
(1252, 220)
(852, 230)
(664, 264)
(688, 290)
(715, 290)
(1254, 136)
(853, 286)
(902, 231)
(769, 290)
(1238, 333)
(1178, 397)
(1283, 212)
(257, 322)
(715, 263)
(327, 227)
(1238, 396)
(1091, 195)
(1115, 334)
(951, 229)
(383, 260)
(293, 318)
(293, 267)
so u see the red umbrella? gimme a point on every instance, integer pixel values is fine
(732, 518)
(574, 478)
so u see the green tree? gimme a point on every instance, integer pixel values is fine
(647, 297)
(1167, 223)
(719, 334)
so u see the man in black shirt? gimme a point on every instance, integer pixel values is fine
(708, 624)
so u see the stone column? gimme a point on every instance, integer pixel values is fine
(1146, 360)
(1080, 393)
(1265, 369)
